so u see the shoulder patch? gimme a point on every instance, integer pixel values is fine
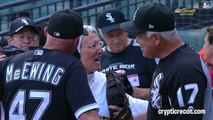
(38, 52)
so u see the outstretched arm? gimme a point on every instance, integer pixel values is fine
(142, 93)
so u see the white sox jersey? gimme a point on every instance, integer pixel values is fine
(44, 85)
(181, 82)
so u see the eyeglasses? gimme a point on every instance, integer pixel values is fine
(94, 45)
(29, 37)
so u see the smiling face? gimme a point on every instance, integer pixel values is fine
(147, 45)
(90, 52)
(24, 39)
(117, 40)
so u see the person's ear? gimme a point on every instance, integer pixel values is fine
(9, 40)
(156, 38)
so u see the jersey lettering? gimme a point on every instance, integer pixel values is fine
(193, 87)
(38, 71)
(47, 73)
(25, 69)
(34, 70)
(119, 66)
(18, 105)
(17, 74)
(9, 73)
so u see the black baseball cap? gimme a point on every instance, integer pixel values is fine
(66, 24)
(154, 17)
(110, 19)
(20, 23)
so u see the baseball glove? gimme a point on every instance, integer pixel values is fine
(116, 95)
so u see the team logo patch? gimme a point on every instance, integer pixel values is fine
(156, 98)
(24, 21)
(39, 52)
(56, 34)
(110, 18)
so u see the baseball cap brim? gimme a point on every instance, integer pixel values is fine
(130, 27)
(21, 27)
(109, 28)
(32, 27)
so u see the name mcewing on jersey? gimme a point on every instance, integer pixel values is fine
(37, 71)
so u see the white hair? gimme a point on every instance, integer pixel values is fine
(89, 29)
(167, 35)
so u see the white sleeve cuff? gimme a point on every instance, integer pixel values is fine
(86, 108)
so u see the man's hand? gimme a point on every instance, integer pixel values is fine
(142, 116)
(118, 111)
(121, 72)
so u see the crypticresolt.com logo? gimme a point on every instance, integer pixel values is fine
(172, 111)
